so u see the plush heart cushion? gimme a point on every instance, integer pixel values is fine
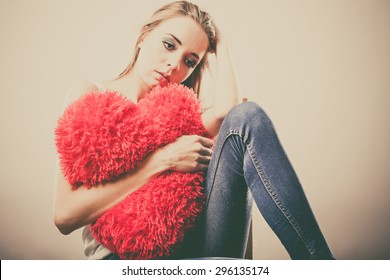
(103, 135)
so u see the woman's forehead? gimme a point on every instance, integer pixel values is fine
(186, 30)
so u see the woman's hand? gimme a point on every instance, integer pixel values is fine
(187, 154)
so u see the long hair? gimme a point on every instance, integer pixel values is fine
(171, 10)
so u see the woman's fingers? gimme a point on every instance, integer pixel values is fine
(204, 151)
(204, 159)
(189, 153)
(202, 167)
(205, 146)
(208, 143)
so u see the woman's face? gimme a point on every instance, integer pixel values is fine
(171, 51)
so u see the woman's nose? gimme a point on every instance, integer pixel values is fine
(174, 63)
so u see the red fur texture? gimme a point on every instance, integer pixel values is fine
(103, 135)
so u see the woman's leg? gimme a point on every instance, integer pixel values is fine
(248, 155)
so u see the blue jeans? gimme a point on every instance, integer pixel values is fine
(249, 162)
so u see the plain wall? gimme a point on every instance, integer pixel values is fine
(320, 69)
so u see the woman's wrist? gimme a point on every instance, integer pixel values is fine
(160, 161)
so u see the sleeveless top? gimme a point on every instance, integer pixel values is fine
(93, 250)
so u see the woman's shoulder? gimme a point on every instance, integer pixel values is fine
(79, 88)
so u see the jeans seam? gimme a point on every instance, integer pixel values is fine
(227, 135)
(268, 186)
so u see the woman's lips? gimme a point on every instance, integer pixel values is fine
(166, 77)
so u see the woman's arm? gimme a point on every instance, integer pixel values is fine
(226, 91)
(76, 208)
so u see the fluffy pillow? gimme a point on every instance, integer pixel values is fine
(103, 135)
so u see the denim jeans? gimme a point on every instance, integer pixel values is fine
(249, 164)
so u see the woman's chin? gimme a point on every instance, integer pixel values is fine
(162, 83)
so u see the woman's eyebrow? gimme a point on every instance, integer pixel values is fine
(180, 43)
(176, 39)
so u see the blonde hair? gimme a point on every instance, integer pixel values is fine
(171, 10)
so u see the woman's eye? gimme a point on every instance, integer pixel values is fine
(169, 46)
(189, 62)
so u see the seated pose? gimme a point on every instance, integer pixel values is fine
(243, 159)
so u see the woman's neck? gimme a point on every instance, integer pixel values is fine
(130, 86)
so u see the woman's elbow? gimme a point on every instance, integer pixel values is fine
(63, 222)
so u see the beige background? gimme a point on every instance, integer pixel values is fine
(320, 69)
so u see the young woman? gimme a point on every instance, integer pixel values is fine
(246, 158)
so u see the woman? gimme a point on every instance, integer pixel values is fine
(173, 47)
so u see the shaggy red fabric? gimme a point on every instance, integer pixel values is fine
(103, 135)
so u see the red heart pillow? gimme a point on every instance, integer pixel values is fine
(102, 135)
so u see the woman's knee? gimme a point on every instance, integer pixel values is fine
(248, 112)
